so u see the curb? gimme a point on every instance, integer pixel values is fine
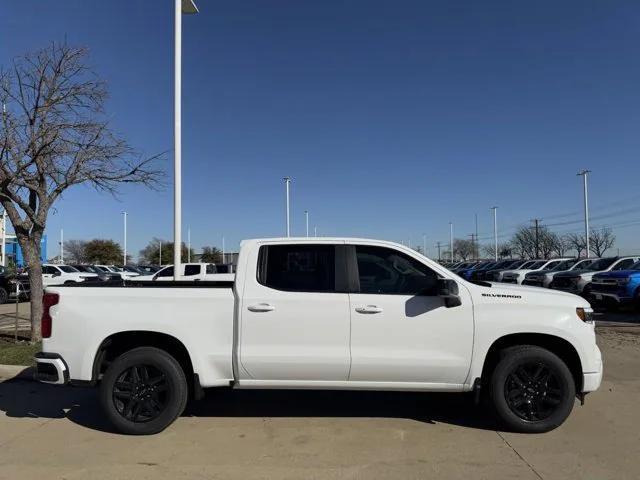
(16, 371)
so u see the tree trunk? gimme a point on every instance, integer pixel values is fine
(31, 251)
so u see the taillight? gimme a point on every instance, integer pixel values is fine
(48, 301)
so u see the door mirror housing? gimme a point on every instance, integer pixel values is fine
(448, 289)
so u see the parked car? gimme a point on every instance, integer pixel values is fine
(517, 276)
(481, 273)
(12, 286)
(579, 281)
(124, 274)
(322, 314)
(190, 271)
(54, 274)
(543, 278)
(618, 287)
(104, 276)
(495, 275)
(148, 269)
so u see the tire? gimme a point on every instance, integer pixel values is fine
(548, 395)
(159, 397)
(4, 296)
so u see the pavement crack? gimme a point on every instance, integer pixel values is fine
(520, 456)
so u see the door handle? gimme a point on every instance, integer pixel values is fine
(261, 307)
(369, 309)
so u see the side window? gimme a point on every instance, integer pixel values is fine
(47, 270)
(211, 268)
(624, 264)
(167, 272)
(191, 270)
(298, 268)
(387, 271)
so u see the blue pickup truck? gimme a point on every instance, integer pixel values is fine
(617, 287)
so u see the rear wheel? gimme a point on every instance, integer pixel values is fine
(532, 389)
(143, 391)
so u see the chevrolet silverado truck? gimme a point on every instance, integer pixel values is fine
(321, 313)
(620, 287)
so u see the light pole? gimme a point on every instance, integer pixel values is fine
(495, 231)
(124, 255)
(61, 246)
(180, 7)
(585, 174)
(306, 217)
(160, 254)
(315, 231)
(424, 244)
(451, 240)
(287, 182)
(223, 253)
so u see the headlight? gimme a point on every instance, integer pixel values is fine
(623, 281)
(585, 314)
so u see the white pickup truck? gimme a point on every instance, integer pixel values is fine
(325, 313)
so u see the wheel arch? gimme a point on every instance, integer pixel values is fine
(118, 343)
(557, 345)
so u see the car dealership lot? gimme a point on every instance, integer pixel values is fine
(59, 432)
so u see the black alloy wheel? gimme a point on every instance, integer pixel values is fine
(533, 391)
(140, 393)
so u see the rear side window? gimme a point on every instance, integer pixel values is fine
(190, 270)
(624, 264)
(298, 268)
(211, 268)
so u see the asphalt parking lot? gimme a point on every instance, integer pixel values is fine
(58, 432)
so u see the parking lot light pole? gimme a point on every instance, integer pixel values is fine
(160, 254)
(306, 218)
(180, 7)
(495, 231)
(287, 182)
(585, 174)
(61, 259)
(124, 255)
(424, 245)
(451, 241)
(189, 245)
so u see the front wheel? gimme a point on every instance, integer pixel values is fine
(143, 391)
(532, 389)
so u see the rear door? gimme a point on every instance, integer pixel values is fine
(401, 330)
(294, 317)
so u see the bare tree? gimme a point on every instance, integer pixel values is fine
(463, 248)
(601, 240)
(55, 135)
(524, 243)
(578, 243)
(75, 251)
(561, 245)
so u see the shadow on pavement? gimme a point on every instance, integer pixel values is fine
(23, 398)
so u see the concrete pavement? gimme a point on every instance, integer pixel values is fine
(58, 432)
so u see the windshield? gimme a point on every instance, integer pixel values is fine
(68, 269)
(526, 264)
(635, 266)
(537, 264)
(601, 264)
(582, 264)
(567, 264)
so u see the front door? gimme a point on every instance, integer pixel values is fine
(401, 331)
(294, 317)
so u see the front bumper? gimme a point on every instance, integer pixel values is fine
(51, 368)
(591, 381)
(532, 283)
(616, 297)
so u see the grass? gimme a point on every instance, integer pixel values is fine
(20, 353)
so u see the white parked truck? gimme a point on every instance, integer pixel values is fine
(322, 313)
(190, 271)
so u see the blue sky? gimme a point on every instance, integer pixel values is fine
(393, 117)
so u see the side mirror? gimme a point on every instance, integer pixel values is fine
(448, 289)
